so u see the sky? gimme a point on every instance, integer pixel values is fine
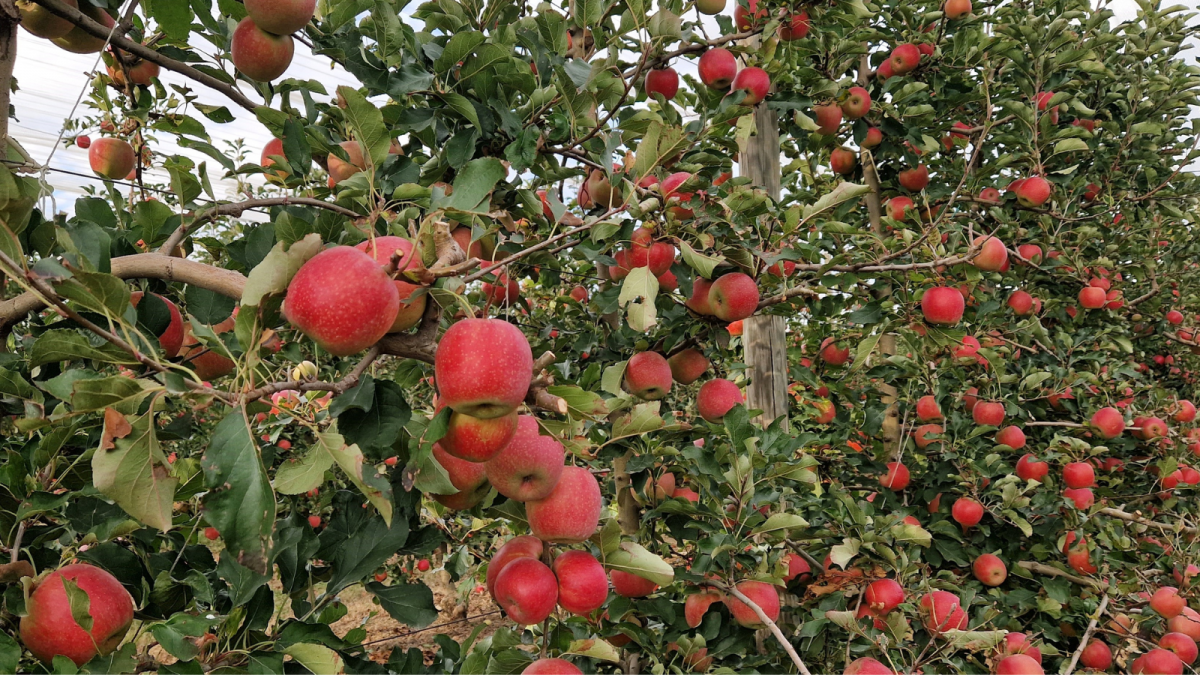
(50, 80)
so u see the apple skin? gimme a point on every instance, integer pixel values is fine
(843, 161)
(483, 367)
(717, 397)
(882, 596)
(1033, 191)
(1091, 297)
(992, 256)
(942, 611)
(755, 82)
(957, 9)
(733, 297)
(898, 207)
(796, 28)
(505, 291)
(1020, 302)
(48, 629)
(967, 512)
(687, 366)
(469, 477)
(697, 604)
(829, 118)
(381, 250)
(171, 339)
(648, 376)
(989, 569)
(926, 435)
(699, 303)
(1018, 643)
(943, 306)
(1187, 622)
(873, 138)
(1018, 664)
(529, 467)
(1183, 646)
(1028, 468)
(582, 583)
(1079, 475)
(1011, 436)
(866, 666)
(273, 148)
(208, 364)
(760, 593)
(579, 294)
(663, 81)
(571, 513)
(710, 7)
(1157, 662)
(896, 478)
(551, 667)
(78, 41)
(41, 23)
(857, 103)
(1096, 655)
(914, 180)
(990, 195)
(112, 158)
(904, 58)
(745, 16)
(259, 55)
(629, 585)
(988, 413)
(476, 440)
(343, 300)
(717, 68)
(524, 546)
(527, 591)
(928, 409)
(1168, 602)
(281, 17)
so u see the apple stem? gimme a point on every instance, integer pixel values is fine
(1087, 634)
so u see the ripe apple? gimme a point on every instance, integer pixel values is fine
(829, 118)
(794, 29)
(843, 161)
(1091, 297)
(866, 666)
(1079, 558)
(527, 591)
(746, 15)
(1091, 191)
(281, 17)
(1183, 646)
(1079, 475)
(112, 158)
(926, 435)
(928, 409)
(717, 68)
(41, 23)
(1011, 436)
(648, 376)
(571, 512)
(1029, 468)
(477, 440)
(524, 546)
(171, 339)
(760, 593)
(898, 207)
(551, 667)
(1043, 100)
(733, 297)
(687, 366)
(343, 300)
(530, 466)
(1033, 191)
(582, 583)
(990, 195)
(1174, 317)
(209, 364)
(1168, 602)
(988, 413)
(381, 249)
(717, 397)
(628, 585)
(905, 58)
(754, 81)
(667, 283)
(834, 354)
(79, 41)
(896, 478)
(579, 294)
(825, 411)
(1108, 422)
(697, 604)
(883, 596)
(505, 291)
(141, 73)
(989, 569)
(942, 611)
(664, 81)
(1187, 622)
(884, 72)
(797, 567)
(274, 148)
(49, 629)
(469, 478)
(1018, 664)
(1151, 428)
(957, 9)
(968, 353)
(914, 180)
(1096, 655)
(942, 305)
(483, 367)
(1082, 497)
(259, 55)
(1021, 303)
(1157, 662)
(1185, 411)
(966, 512)
(873, 138)
(698, 302)
(992, 256)
(857, 103)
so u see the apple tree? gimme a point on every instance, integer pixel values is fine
(498, 304)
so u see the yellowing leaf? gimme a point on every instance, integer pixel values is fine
(638, 291)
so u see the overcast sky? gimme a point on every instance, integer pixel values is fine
(51, 79)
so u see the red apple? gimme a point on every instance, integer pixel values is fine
(966, 512)
(112, 158)
(1091, 297)
(794, 29)
(49, 629)
(260, 55)
(717, 397)
(469, 478)
(529, 467)
(478, 440)
(582, 583)
(1108, 422)
(1183, 646)
(524, 546)
(171, 339)
(857, 103)
(1187, 622)
(1018, 664)
(1157, 662)
(1079, 475)
(281, 17)
(381, 249)
(829, 118)
(571, 512)
(1082, 497)
(698, 302)
(343, 300)
(942, 305)
(904, 58)
(760, 593)
(1096, 655)
(942, 611)
(664, 81)
(988, 413)
(648, 376)
(628, 585)
(1028, 468)
(992, 256)
(957, 9)
(733, 297)
(687, 366)
(1033, 191)
(898, 207)
(697, 604)
(745, 16)
(926, 435)
(866, 666)
(882, 596)
(717, 68)
(527, 591)
(551, 667)
(1011, 436)
(873, 138)
(896, 478)
(483, 367)
(928, 409)
(989, 569)
(1168, 602)
(1021, 303)
(754, 81)
(914, 180)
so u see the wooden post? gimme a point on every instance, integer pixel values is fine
(764, 340)
(758, 157)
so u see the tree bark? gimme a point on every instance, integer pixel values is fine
(9, 19)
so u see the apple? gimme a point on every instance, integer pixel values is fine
(171, 339)
(1151, 428)
(1183, 646)
(1033, 191)
(1174, 317)
(968, 353)
(746, 15)
(942, 611)
(717, 68)
(760, 593)
(571, 513)
(274, 148)
(1020, 302)
(524, 546)
(667, 283)
(1079, 475)
(928, 409)
(989, 195)
(1096, 655)
(527, 591)
(483, 367)
(1018, 643)
(866, 666)
(733, 297)
(207, 363)
(477, 440)
(884, 72)
(1092, 190)
(112, 158)
(797, 566)
(914, 180)
(340, 169)
(829, 118)
(551, 667)
(49, 629)
(882, 596)
(988, 413)
(873, 138)
(281, 17)
(1091, 297)
(1082, 497)
(904, 58)
(989, 569)
(1011, 436)
(710, 7)
(621, 269)
(83, 142)
(896, 478)
(825, 411)
(755, 82)
(1185, 411)
(141, 73)
(966, 512)
(343, 300)
(628, 585)
(834, 354)
(579, 294)
(697, 604)
(382, 249)
(898, 207)
(1157, 662)
(600, 191)
(259, 55)
(957, 9)
(686, 493)
(717, 397)
(648, 376)
(699, 302)
(687, 366)
(530, 466)
(582, 583)
(505, 291)
(843, 161)
(41, 23)
(79, 41)
(1028, 468)
(469, 478)
(1079, 558)
(1187, 622)
(1043, 100)
(926, 435)
(664, 81)
(942, 305)
(794, 29)
(992, 255)
(857, 103)
(1018, 664)
(1168, 602)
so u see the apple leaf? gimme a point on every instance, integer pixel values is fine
(781, 522)
(272, 275)
(635, 559)
(581, 404)
(907, 532)
(703, 264)
(642, 418)
(299, 475)
(80, 602)
(638, 291)
(410, 604)
(350, 460)
(366, 120)
(974, 640)
(117, 392)
(841, 554)
(844, 192)
(240, 502)
(843, 618)
(474, 183)
(130, 469)
(316, 658)
(659, 143)
(613, 376)
(594, 648)
(62, 344)
(1070, 145)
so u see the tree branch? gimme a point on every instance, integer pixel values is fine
(1048, 571)
(1087, 634)
(238, 208)
(774, 628)
(1134, 518)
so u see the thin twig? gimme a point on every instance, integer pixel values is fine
(1087, 634)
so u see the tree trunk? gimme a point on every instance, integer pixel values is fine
(9, 19)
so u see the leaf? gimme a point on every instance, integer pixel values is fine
(63, 344)
(316, 658)
(461, 105)
(659, 143)
(777, 522)
(474, 183)
(350, 460)
(10, 653)
(272, 275)
(118, 392)
(703, 264)
(841, 554)
(1070, 145)
(209, 307)
(13, 384)
(635, 559)
(80, 602)
(845, 618)
(134, 472)
(101, 293)
(581, 404)
(865, 349)
(906, 532)
(840, 194)
(613, 376)
(299, 475)
(410, 604)
(594, 648)
(365, 550)
(638, 291)
(174, 17)
(457, 49)
(643, 418)
(366, 120)
(868, 314)
(240, 504)
(380, 424)
(974, 640)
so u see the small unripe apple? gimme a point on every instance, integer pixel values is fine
(710, 7)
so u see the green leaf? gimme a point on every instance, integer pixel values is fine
(380, 424)
(331, 449)
(1070, 145)
(457, 49)
(781, 522)
(299, 475)
(10, 653)
(594, 648)
(410, 604)
(474, 183)
(906, 532)
(841, 554)
(12, 384)
(118, 392)
(366, 120)
(80, 602)
(974, 640)
(703, 264)
(613, 376)
(208, 306)
(240, 504)
(635, 559)
(638, 291)
(590, 12)
(659, 143)
(62, 344)
(174, 17)
(643, 418)
(316, 658)
(863, 354)
(368, 548)
(461, 105)
(131, 469)
(272, 275)
(101, 293)
(841, 194)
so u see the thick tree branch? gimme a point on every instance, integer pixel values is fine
(1134, 518)
(236, 209)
